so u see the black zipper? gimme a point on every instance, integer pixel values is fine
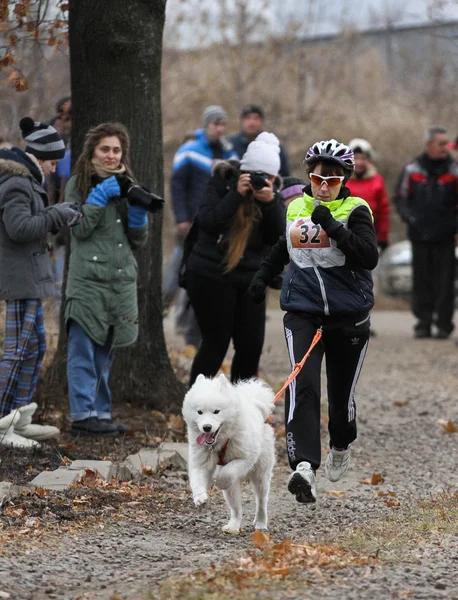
(358, 286)
(290, 284)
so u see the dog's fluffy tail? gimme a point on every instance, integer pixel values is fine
(260, 393)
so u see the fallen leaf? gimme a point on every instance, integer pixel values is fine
(374, 479)
(392, 502)
(89, 477)
(148, 470)
(448, 426)
(11, 511)
(176, 423)
(399, 403)
(261, 540)
(335, 493)
(393, 494)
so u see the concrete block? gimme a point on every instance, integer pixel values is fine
(60, 479)
(180, 447)
(104, 468)
(121, 472)
(155, 460)
(8, 491)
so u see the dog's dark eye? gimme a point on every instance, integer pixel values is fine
(215, 412)
(199, 412)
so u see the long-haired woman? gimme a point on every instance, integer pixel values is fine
(101, 310)
(240, 216)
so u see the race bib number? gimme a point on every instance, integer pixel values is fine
(305, 234)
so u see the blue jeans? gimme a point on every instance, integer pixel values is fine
(88, 369)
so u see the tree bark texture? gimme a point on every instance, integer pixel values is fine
(115, 60)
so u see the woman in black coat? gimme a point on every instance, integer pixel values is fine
(240, 217)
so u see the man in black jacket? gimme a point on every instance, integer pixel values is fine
(426, 198)
(252, 124)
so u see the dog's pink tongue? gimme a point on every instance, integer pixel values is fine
(204, 437)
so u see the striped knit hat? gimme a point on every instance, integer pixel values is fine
(43, 141)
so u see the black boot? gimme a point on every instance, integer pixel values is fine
(120, 427)
(92, 426)
(422, 330)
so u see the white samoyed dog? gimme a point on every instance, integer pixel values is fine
(229, 441)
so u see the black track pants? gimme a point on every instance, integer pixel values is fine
(226, 313)
(434, 282)
(344, 358)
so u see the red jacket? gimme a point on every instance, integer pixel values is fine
(371, 188)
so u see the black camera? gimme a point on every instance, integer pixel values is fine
(258, 180)
(139, 196)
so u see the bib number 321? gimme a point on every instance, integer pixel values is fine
(306, 234)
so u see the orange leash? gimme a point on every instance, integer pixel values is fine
(298, 367)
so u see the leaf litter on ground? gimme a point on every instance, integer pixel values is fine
(268, 564)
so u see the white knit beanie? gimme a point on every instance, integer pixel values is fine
(263, 154)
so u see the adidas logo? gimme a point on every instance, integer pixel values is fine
(355, 341)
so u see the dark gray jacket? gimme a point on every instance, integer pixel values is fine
(25, 220)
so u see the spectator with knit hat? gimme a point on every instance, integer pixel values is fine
(26, 274)
(191, 171)
(241, 214)
(292, 188)
(252, 122)
(367, 183)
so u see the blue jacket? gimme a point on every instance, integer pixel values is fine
(191, 171)
(240, 143)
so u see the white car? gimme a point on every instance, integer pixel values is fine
(395, 269)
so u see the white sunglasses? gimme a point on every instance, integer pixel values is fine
(330, 181)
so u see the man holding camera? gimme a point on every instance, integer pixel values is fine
(252, 120)
(191, 171)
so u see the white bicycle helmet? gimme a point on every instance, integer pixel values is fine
(332, 151)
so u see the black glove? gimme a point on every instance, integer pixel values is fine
(383, 246)
(257, 289)
(322, 216)
(277, 282)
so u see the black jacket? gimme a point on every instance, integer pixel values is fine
(218, 207)
(426, 198)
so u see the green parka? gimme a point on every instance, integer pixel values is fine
(101, 287)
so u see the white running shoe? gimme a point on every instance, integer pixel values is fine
(302, 483)
(25, 428)
(337, 463)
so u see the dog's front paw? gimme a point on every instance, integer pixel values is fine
(200, 499)
(233, 528)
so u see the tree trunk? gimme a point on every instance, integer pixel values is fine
(115, 60)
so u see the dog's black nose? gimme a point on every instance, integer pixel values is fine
(207, 428)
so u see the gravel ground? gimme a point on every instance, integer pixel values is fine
(405, 388)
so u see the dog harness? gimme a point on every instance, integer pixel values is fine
(221, 454)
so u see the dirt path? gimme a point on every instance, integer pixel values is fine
(405, 388)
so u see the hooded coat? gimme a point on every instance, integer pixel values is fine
(101, 290)
(25, 221)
